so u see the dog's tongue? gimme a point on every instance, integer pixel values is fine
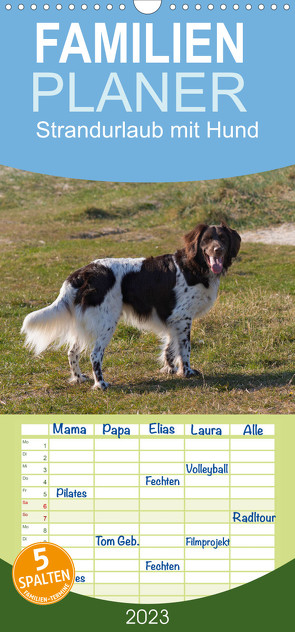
(216, 265)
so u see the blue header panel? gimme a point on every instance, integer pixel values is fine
(111, 92)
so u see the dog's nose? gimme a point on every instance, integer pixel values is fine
(218, 250)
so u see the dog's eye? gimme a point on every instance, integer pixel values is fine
(207, 238)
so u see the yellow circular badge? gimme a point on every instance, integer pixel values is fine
(43, 573)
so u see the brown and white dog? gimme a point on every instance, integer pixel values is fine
(161, 294)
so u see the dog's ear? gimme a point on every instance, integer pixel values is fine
(192, 240)
(234, 244)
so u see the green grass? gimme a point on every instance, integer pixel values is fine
(244, 347)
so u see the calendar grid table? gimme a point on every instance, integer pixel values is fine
(152, 512)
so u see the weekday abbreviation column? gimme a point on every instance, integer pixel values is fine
(35, 485)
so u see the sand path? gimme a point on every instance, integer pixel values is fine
(280, 235)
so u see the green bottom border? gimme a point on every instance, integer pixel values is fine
(264, 604)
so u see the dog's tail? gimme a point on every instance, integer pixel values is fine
(54, 324)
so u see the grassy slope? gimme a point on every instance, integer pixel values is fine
(244, 347)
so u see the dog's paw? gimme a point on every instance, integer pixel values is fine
(83, 378)
(193, 373)
(169, 370)
(100, 385)
(189, 373)
(78, 379)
